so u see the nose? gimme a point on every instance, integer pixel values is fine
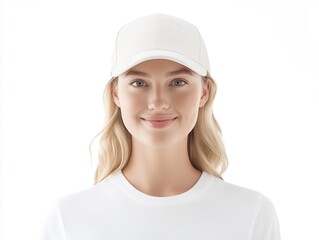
(158, 101)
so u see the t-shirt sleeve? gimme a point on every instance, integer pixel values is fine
(53, 226)
(265, 225)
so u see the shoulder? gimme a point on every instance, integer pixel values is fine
(250, 209)
(90, 196)
(244, 204)
(230, 190)
(78, 209)
(238, 196)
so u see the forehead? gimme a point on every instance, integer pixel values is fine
(158, 67)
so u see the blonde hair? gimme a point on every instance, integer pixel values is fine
(205, 147)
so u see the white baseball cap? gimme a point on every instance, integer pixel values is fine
(159, 36)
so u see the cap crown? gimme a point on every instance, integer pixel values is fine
(159, 36)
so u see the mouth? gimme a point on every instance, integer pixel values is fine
(159, 120)
(159, 123)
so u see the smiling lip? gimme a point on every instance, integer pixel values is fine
(159, 122)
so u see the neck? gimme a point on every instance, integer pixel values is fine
(161, 171)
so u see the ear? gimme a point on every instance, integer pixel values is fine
(205, 93)
(115, 96)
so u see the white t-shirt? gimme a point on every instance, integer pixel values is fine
(212, 209)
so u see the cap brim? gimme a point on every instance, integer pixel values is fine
(157, 54)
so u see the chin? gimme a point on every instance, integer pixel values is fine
(161, 142)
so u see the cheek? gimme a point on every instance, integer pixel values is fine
(188, 107)
(186, 101)
(131, 102)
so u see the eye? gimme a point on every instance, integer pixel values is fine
(138, 83)
(179, 82)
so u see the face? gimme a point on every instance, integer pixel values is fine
(159, 101)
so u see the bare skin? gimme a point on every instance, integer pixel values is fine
(159, 164)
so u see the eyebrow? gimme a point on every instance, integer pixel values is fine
(143, 74)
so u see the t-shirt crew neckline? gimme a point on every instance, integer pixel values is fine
(194, 192)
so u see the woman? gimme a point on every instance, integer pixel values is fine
(161, 156)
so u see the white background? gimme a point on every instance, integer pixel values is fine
(264, 57)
